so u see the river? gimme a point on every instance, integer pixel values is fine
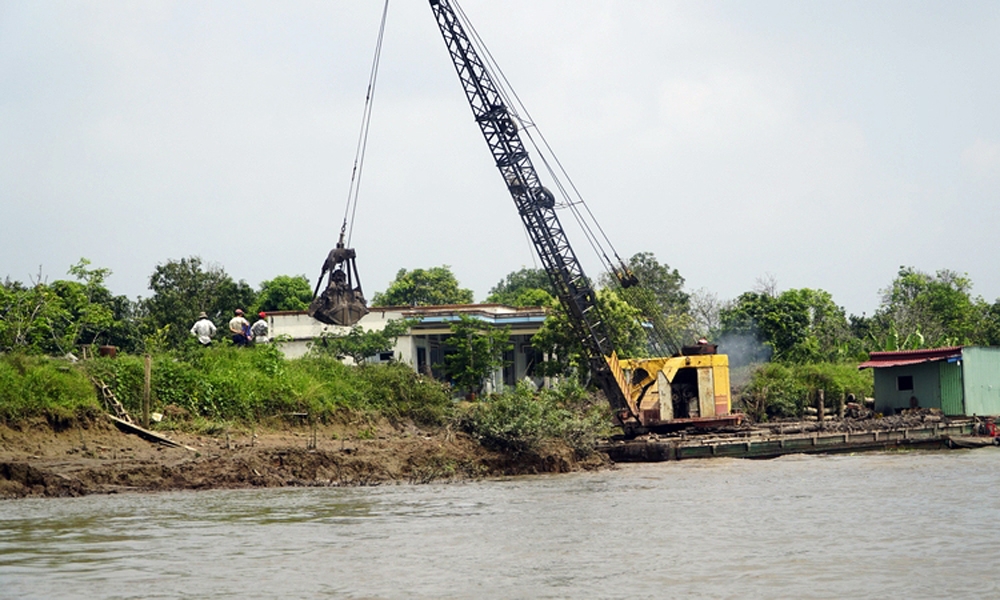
(904, 524)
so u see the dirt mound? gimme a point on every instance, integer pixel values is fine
(36, 460)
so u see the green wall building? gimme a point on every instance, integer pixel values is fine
(959, 380)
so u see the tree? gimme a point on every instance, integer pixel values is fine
(705, 308)
(57, 318)
(476, 351)
(800, 326)
(989, 328)
(939, 308)
(423, 287)
(360, 344)
(284, 292)
(182, 288)
(564, 349)
(25, 321)
(526, 287)
(660, 299)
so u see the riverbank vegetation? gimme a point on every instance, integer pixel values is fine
(224, 388)
(783, 345)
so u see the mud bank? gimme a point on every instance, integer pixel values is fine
(97, 458)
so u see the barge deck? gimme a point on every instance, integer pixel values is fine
(765, 443)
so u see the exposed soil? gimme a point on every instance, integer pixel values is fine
(96, 458)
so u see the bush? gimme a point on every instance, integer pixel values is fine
(38, 386)
(778, 390)
(226, 383)
(520, 420)
(398, 392)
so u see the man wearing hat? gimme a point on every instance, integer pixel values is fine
(203, 329)
(240, 328)
(259, 330)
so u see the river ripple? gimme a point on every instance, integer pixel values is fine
(913, 524)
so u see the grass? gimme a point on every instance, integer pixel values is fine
(212, 390)
(37, 386)
(246, 385)
(220, 386)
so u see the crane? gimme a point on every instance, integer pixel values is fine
(634, 388)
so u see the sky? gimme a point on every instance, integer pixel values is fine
(815, 144)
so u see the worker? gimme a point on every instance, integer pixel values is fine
(203, 329)
(702, 341)
(239, 327)
(259, 330)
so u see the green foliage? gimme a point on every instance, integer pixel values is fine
(284, 292)
(476, 351)
(559, 340)
(989, 328)
(526, 287)
(38, 386)
(398, 393)
(57, 318)
(521, 420)
(183, 288)
(624, 323)
(798, 326)
(360, 344)
(780, 390)
(227, 384)
(659, 298)
(423, 287)
(931, 311)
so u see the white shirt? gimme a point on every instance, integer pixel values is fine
(204, 329)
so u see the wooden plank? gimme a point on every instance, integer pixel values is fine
(146, 434)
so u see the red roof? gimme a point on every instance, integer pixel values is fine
(878, 360)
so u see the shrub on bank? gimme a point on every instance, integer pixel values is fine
(39, 386)
(777, 390)
(520, 419)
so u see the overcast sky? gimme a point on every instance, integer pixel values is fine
(822, 143)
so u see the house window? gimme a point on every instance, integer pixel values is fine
(904, 383)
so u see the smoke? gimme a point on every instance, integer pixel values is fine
(743, 349)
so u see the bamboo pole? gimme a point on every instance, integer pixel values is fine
(147, 385)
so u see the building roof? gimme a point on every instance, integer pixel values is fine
(494, 314)
(879, 360)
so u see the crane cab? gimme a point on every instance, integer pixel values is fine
(681, 391)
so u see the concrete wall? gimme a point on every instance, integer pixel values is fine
(426, 339)
(303, 329)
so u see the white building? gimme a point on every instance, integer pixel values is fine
(423, 347)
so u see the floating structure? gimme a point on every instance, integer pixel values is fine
(767, 443)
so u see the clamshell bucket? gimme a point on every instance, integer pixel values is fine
(342, 302)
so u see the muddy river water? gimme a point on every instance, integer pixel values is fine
(902, 525)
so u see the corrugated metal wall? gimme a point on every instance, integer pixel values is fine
(951, 388)
(926, 387)
(981, 374)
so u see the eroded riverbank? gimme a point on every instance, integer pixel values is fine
(97, 458)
